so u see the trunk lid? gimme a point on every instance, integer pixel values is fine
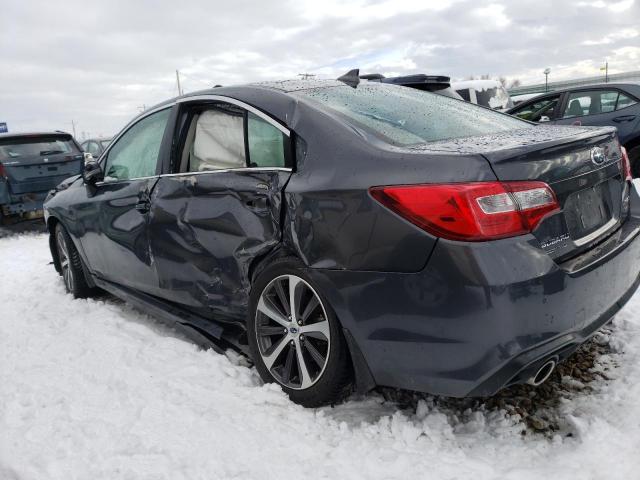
(36, 163)
(582, 165)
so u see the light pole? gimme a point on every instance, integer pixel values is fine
(546, 72)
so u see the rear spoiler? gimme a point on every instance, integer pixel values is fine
(409, 80)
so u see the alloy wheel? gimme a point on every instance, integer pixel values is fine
(63, 256)
(292, 330)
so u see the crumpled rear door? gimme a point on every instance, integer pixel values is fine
(205, 231)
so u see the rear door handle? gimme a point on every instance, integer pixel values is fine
(624, 118)
(143, 206)
(259, 203)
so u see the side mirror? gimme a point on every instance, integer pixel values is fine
(87, 157)
(92, 172)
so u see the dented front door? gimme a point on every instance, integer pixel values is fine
(205, 231)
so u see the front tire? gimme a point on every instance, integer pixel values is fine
(301, 348)
(70, 264)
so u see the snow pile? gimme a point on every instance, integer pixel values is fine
(92, 389)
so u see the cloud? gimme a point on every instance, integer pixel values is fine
(98, 62)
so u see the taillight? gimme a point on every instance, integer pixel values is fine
(475, 211)
(625, 165)
(3, 172)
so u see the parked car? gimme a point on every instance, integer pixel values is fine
(613, 104)
(429, 83)
(94, 146)
(31, 164)
(487, 93)
(358, 233)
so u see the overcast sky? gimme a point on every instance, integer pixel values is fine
(98, 62)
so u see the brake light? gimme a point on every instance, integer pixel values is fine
(625, 165)
(475, 211)
(3, 172)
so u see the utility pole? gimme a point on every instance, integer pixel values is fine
(73, 125)
(546, 72)
(306, 76)
(178, 80)
(606, 71)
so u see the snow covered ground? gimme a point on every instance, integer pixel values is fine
(92, 389)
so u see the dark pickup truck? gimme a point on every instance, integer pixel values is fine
(31, 164)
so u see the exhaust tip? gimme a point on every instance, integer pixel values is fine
(542, 374)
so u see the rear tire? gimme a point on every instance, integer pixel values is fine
(70, 264)
(634, 160)
(302, 349)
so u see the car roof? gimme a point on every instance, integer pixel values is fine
(249, 90)
(622, 85)
(283, 86)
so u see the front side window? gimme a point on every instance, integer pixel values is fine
(407, 116)
(539, 110)
(135, 154)
(229, 137)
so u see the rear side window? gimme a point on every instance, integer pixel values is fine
(33, 147)
(229, 137)
(135, 153)
(266, 143)
(582, 104)
(624, 101)
(407, 116)
(464, 93)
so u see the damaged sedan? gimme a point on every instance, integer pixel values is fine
(346, 235)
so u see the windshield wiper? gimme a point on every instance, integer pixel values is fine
(50, 152)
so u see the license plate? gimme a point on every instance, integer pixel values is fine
(592, 210)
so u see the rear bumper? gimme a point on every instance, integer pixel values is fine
(12, 204)
(482, 316)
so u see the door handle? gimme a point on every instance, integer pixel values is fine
(143, 206)
(624, 118)
(260, 203)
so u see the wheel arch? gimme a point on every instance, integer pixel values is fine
(362, 375)
(52, 222)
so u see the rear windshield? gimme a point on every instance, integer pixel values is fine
(35, 147)
(105, 143)
(407, 116)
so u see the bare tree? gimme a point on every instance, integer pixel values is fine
(515, 83)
